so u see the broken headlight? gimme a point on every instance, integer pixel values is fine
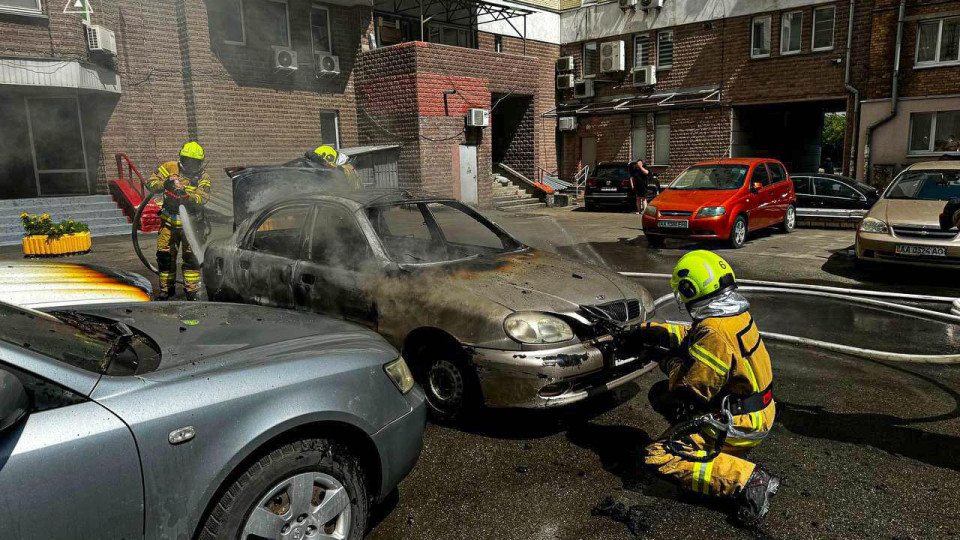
(534, 327)
(400, 374)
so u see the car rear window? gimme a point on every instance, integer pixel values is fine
(611, 172)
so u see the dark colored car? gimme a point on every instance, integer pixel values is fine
(832, 192)
(482, 318)
(198, 420)
(609, 184)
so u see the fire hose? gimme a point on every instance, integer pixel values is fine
(186, 225)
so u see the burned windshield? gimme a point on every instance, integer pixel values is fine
(711, 177)
(435, 232)
(926, 186)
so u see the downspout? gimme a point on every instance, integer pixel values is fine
(855, 130)
(893, 95)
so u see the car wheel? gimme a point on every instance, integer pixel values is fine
(656, 241)
(738, 232)
(789, 220)
(589, 206)
(309, 488)
(450, 385)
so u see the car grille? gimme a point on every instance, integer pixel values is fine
(923, 231)
(619, 311)
(675, 213)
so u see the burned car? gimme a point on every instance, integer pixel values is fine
(482, 318)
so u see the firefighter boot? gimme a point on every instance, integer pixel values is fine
(753, 501)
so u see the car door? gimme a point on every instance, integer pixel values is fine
(758, 212)
(780, 195)
(835, 194)
(267, 260)
(803, 185)
(338, 272)
(70, 469)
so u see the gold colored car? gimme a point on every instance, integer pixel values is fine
(904, 225)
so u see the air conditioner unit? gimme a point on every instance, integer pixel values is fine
(568, 123)
(612, 56)
(565, 82)
(478, 118)
(645, 76)
(284, 59)
(583, 89)
(651, 4)
(628, 4)
(565, 63)
(101, 39)
(327, 64)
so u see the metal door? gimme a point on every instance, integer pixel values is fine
(267, 262)
(468, 174)
(588, 152)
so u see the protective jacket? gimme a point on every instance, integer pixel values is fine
(195, 191)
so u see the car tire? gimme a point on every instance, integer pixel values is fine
(261, 500)
(789, 220)
(589, 206)
(654, 240)
(738, 232)
(451, 386)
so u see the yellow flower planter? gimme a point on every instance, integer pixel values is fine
(44, 246)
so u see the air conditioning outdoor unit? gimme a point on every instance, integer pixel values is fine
(101, 39)
(568, 123)
(583, 89)
(565, 63)
(478, 118)
(327, 64)
(651, 4)
(628, 4)
(612, 56)
(565, 82)
(645, 76)
(284, 59)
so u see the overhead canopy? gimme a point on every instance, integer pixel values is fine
(658, 101)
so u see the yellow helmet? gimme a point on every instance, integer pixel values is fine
(326, 153)
(191, 159)
(700, 274)
(192, 150)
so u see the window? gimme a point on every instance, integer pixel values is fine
(21, 6)
(938, 42)
(231, 23)
(761, 175)
(391, 30)
(338, 240)
(801, 184)
(44, 395)
(449, 35)
(330, 128)
(638, 138)
(760, 37)
(641, 51)
(791, 26)
(590, 52)
(460, 229)
(661, 141)
(276, 23)
(279, 234)
(665, 50)
(827, 187)
(935, 132)
(498, 43)
(777, 174)
(711, 177)
(320, 30)
(823, 24)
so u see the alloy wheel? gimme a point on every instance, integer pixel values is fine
(740, 232)
(791, 218)
(307, 506)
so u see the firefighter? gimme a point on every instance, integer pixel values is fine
(326, 155)
(717, 369)
(184, 182)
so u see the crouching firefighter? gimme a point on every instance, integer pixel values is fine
(719, 392)
(327, 156)
(184, 183)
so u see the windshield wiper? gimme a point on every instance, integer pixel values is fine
(120, 343)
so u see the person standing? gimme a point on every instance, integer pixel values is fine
(640, 177)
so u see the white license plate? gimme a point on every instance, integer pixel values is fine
(921, 251)
(608, 189)
(673, 223)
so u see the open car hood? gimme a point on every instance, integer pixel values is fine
(50, 285)
(256, 187)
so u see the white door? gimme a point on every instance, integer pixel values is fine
(468, 174)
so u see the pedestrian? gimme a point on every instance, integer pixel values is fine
(184, 182)
(718, 368)
(640, 177)
(828, 167)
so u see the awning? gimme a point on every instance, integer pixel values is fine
(58, 74)
(653, 102)
(360, 150)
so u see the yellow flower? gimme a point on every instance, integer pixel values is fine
(45, 217)
(23, 215)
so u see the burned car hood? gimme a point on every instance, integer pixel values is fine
(188, 332)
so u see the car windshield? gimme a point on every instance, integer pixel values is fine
(611, 172)
(711, 177)
(436, 232)
(926, 186)
(90, 343)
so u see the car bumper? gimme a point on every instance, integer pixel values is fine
(552, 377)
(715, 227)
(882, 248)
(608, 198)
(399, 443)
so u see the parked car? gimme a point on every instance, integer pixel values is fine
(482, 318)
(723, 200)
(609, 184)
(819, 191)
(904, 225)
(47, 284)
(198, 420)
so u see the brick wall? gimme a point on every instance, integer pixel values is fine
(58, 35)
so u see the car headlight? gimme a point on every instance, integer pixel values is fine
(399, 373)
(711, 211)
(651, 210)
(873, 225)
(533, 327)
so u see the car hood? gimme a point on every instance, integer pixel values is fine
(908, 211)
(673, 199)
(42, 284)
(190, 332)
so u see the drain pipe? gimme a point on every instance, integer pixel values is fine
(893, 95)
(854, 131)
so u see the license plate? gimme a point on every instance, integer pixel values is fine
(608, 189)
(673, 223)
(921, 251)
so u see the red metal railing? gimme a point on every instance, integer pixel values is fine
(141, 186)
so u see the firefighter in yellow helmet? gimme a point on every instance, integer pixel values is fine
(184, 182)
(326, 155)
(718, 395)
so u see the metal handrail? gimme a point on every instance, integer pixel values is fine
(541, 172)
(141, 187)
(580, 179)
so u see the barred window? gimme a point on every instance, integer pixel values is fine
(641, 51)
(590, 59)
(665, 49)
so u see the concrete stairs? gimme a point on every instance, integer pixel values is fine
(510, 198)
(100, 212)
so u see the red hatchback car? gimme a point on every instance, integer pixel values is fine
(723, 199)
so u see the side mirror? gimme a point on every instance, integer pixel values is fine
(14, 402)
(756, 186)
